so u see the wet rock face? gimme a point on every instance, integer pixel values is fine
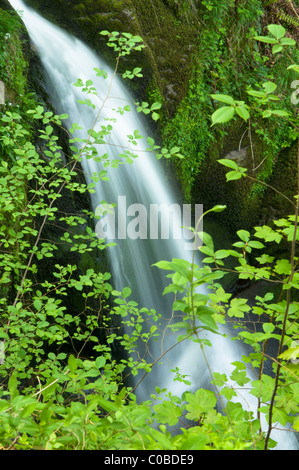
(169, 41)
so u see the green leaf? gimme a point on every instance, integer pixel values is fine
(126, 292)
(100, 362)
(256, 94)
(288, 42)
(162, 439)
(294, 67)
(167, 265)
(200, 402)
(283, 266)
(277, 30)
(223, 115)
(256, 244)
(13, 385)
(155, 106)
(238, 307)
(218, 208)
(167, 413)
(28, 410)
(233, 175)
(276, 48)
(229, 163)
(267, 39)
(269, 87)
(197, 442)
(244, 235)
(72, 364)
(242, 112)
(280, 112)
(224, 99)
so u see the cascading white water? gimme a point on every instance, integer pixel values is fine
(66, 59)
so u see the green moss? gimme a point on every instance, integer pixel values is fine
(13, 66)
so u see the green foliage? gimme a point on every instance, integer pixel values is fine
(61, 385)
(12, 62)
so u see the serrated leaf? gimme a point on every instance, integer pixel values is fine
(167, 413)
(242, 112)
(223, 115)
(224, 99)
(283, 266)
(200, 402)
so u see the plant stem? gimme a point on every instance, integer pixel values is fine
(288, 301)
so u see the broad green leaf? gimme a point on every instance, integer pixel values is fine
(256, 244)
(291, 353)
(244, 235)
(256, 93)
(126, 292)
(197, 442)
(277, 30)
(223, 115)
(155, 106)
(167, 265)
(233, 175)
(266, 233)
(283, 266)
(288, 42)
(267, 113)
(162, 439)
(280, 112)
(181, 325)
(276, 48)
(100, 362)
(167, 412)
(294, 67)
(224, 99)
(269, 87)
(200, 402)
(28, 410)
(296, 424)
(238, 307)
(229, 163)
(267, 39)
(72, 364)
(13, 385)
(242, 112)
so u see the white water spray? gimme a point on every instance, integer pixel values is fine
(66, 59)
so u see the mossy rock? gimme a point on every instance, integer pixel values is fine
(169, 41)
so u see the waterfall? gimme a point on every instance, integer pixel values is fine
(66, 59)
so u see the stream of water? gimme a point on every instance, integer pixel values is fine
(132, 187)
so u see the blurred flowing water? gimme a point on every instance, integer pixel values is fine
(65, 59)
